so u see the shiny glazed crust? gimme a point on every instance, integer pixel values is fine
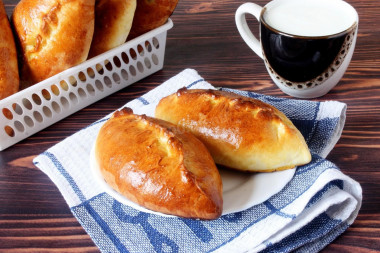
(53, 36)
(113, 21)
(9, 78)
(158, 166)
(240, 132)
(151, 14)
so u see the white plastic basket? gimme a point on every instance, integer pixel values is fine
(41, 105)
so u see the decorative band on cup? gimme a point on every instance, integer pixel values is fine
(334, 66)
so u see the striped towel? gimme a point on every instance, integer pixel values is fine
(316, 206)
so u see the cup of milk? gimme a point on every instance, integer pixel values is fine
(306, 45)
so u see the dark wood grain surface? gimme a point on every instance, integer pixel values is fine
(35, 218)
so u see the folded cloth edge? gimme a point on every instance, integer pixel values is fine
(201, 80)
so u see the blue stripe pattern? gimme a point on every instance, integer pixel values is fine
(100, 222)
(105, 227)
(194, 83)
(66, 175)
(314, 230)
(143, 100)
(278, 212)
(115, 227)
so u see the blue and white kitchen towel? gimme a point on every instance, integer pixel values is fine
(315, 207)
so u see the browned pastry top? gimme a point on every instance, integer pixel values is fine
(9, 78)
(240, 132)
(54, 35)
(151, 14)
(113, 21)
(158, 166)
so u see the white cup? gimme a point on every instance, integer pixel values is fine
(306, 45)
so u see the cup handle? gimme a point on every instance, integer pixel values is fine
(245, 32)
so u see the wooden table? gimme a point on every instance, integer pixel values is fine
(35, 217)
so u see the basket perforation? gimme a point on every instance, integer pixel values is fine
(51, 100)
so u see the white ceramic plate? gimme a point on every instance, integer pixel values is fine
(240, 190)
(243, 190)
